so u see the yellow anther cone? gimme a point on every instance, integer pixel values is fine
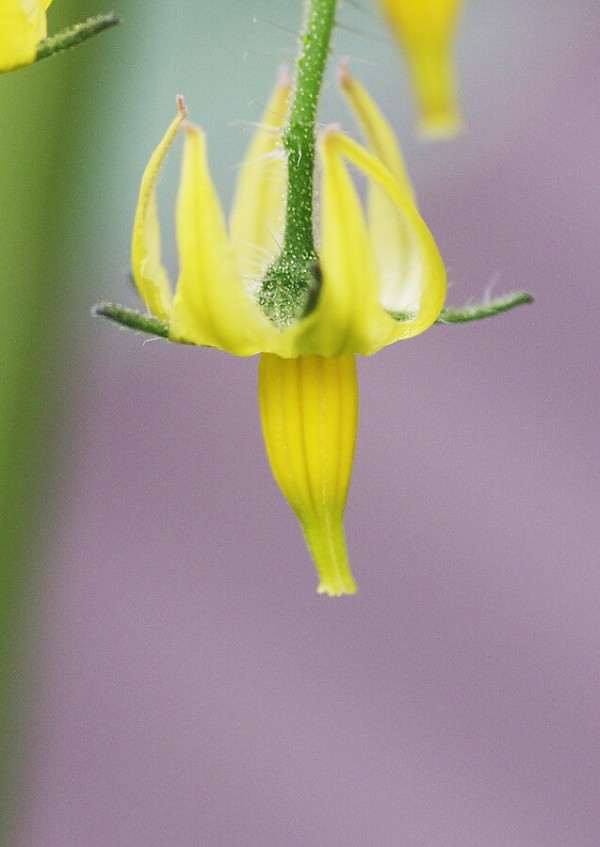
(309, 413)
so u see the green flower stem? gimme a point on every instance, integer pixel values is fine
(300, 134)
(476, 311)
(288, 283)
(131, 319)
(74, 35)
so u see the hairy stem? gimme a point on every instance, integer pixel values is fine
(288, 282)
(75, 35)
(476, 311)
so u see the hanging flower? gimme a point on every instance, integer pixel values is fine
(378, 279)
(22, 27)
(425, 29)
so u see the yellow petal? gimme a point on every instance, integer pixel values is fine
(426, 30)
(419, 287)
(148, 272)
(22, 27)
(210, 305)
(309, 413)
(380, 137)
(257, 217)
(389, 231)
(347, 314)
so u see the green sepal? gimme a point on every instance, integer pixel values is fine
(132, 320)
(77, 34)
(475, 311)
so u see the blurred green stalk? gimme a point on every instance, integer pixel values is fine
(30, 141)
(39, 134)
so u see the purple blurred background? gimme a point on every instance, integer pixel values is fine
(194, 688)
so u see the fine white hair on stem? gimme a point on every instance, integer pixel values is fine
(265, 127)
(262, 257)
(259, 249)
(276, 240)
(488, 292)
(362, 33)
(294, 33)
(266, 159)
(247, 124)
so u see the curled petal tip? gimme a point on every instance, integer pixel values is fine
(191, 129)
(441, 127)
(328, 592)
(181, 107)
(343, 72)
(284, 77)
(330, 133)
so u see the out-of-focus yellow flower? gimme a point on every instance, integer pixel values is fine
(22, 27)
(425, 28)
(379, 279)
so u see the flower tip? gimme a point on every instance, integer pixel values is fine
(337, 591)
(181, 107)
(284, 77)
(327, 544)
(343, 74)
(192, 129)
(330, 133)
(440, 127)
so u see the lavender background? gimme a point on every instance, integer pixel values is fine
(194, 690)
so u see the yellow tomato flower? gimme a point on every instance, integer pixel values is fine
(425, 28)
(22, 27)
(380, 279)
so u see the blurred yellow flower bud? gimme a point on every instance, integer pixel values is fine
(425, 29)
